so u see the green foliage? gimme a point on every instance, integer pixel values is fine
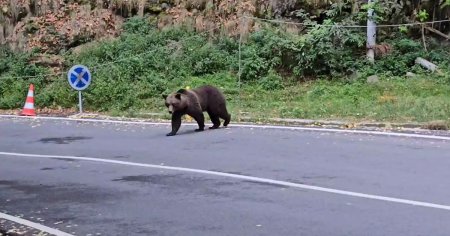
(9, 95)
(17, 64)
(407, 46)
(378, 11)
(267, 49)
(339, 10)
(204, 57)
(446, 3)
(423, 15)
(304, 16)
(5, 55)
(323, 51)
(141, 65)
(403, 29)
(131, 72)
(383, 11)
(327, 51)
(253, 65)
(12, 87)
(402, 59)
(138, 25)
(272, 81)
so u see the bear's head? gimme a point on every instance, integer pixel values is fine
(175, 102)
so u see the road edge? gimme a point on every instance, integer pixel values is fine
(241, 125)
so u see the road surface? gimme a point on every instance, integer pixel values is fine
(94, 178)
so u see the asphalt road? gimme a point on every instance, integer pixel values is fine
(98, 198)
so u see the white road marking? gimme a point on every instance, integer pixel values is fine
(34, 225)
(242, 177)
(382, 133)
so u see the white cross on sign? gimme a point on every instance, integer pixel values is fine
(79, 77)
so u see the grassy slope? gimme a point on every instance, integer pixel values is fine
(398, 100)
(133, 72)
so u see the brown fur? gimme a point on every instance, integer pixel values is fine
(382, 49)
(193, 103)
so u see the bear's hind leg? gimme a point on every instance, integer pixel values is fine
(220, 111)
(227, 119)
(214, 119)
(223, 113)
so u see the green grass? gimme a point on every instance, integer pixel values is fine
(419, 100)
(422, 99)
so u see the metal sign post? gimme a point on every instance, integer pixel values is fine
(80, 103)
(79, 78)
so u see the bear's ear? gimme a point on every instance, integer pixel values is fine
(181, 91)
(164, 96)
(178, 96)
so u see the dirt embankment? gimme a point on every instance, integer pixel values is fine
(57, 25)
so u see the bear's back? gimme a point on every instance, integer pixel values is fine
(209, 96)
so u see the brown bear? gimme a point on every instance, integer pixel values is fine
(193, 103)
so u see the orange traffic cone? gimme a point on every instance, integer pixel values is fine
(28, 109)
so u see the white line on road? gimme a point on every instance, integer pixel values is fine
(242, 177)
(406, 135)
(34, 225)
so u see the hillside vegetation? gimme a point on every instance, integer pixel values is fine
(286, 70)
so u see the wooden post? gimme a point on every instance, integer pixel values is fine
(423, 38)
(437, 32)
(371, 34)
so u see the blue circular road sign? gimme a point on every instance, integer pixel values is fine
(79, 77)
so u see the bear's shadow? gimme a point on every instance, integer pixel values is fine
(192, 131)
(186, 132)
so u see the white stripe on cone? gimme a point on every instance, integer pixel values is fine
(28, 106)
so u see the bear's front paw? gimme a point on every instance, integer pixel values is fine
(199, 130)
(170, 134)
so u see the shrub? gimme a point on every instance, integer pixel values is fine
(138, 25)
(327, 51)
(272, 81)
